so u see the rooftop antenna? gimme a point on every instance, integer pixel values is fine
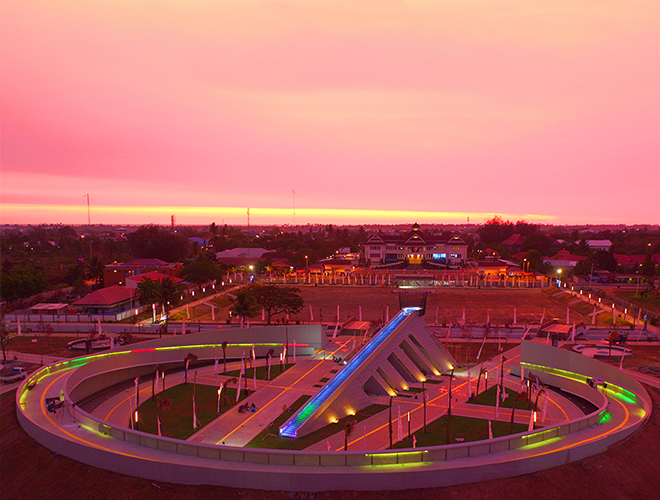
(248, 230)
(294, 207)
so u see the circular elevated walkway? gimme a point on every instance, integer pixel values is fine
(622, 408)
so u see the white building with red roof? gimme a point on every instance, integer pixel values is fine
(414, 247)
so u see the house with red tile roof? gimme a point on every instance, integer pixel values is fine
(563, 258)
(111, 300)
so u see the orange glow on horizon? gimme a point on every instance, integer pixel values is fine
(14, 213)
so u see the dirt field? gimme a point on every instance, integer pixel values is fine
(449, 302)
(29, 471)
(53, 346)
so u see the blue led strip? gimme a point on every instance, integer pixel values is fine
(290, 429)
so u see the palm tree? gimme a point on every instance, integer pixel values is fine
(190, 357)
(163, 404)
(481, 371)
(95, 270)
(232, 380)
(536, 401)
(159, 369)
(224, 354)
(167, 294)
(269, 357)
(244, 305)
(348, 430)
(147, 291)
(523, 397)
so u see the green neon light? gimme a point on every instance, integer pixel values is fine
(395, 453)
(407, 465)
(95, 431)
(538, 433)
(623, 397)
(615, 390)
(209, 345)
(605, 417)
(68, 364)
(545, 442)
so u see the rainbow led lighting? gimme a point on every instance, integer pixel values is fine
(290, 429)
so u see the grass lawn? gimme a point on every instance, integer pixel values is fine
(488, 399)
(272, 431)
(468, 429)
(262, 371)
(269, 438)
(177, 422)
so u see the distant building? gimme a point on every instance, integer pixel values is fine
(629, 261)
(241, 257)
(111, 300)
(514, 241)
(116, 274)
(414, 247)
(563, 258)
(336, 267)
(241, 253)
(597, 245)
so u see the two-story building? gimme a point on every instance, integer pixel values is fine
(414, 247)
(118, 273)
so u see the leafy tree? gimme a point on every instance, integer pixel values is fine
(538, 241)
(4, 338)
(22, 283)
(202, 272)
(648, 269)
(244, 305)
(535, 261)
(154, 241)
(583, 267)
(495, 230)
(278, 299)
(604, 260)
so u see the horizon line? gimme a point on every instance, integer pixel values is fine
(199, 215)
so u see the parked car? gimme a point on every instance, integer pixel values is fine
(16, 373)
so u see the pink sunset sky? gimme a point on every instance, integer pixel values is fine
(371, 111)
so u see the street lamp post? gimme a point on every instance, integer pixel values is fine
(307, 268)
(424, 398)
(451, 377)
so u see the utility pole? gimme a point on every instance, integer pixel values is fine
(89, 213)
(248, 231)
